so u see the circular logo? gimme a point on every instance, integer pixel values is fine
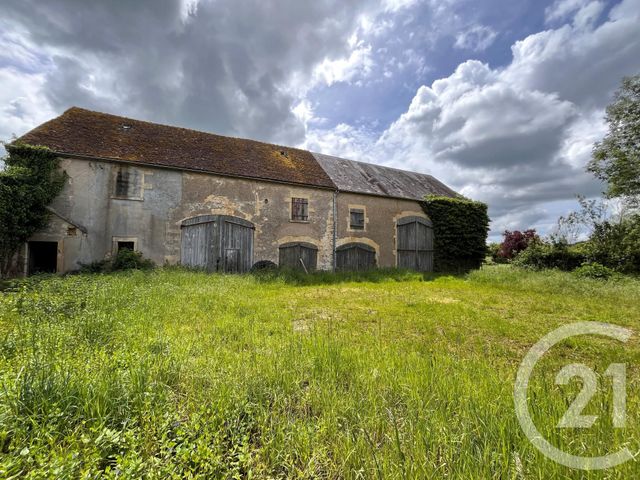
(522, 384)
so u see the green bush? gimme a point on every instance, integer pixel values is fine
(125, 260)
(96, 267)
(617, 245)
(594, 270)
(540, 255)
(460, 228)
(493, 253)
(492, 249)
(129, 260)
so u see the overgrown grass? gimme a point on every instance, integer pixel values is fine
(172, 373)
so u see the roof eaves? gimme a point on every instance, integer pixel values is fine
(187, 169)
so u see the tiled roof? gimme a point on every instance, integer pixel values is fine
(367, 178)
(103, 136)
(100, 135)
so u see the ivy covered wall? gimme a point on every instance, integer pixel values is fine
(29, 182)
(460, 230)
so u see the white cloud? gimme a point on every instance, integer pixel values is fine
(583, 64)
(395, 5)
(22, 104)
(357, 66)
(474, 118)
(342, 140)
(582, 11)
(518, 137)
(477, 38)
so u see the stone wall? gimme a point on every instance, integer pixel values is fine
(379, 232)
(157, 200)
(151, 212)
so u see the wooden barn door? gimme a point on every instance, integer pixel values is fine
(197, 249)
(217, 242)
(293, 255)
(415, 244)
(237, 245)
(355, 256)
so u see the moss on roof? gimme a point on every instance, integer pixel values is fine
(99, 135)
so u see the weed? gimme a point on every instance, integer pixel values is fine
(170, 373)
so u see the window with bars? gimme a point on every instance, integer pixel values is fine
(299, 209)
(356, 216)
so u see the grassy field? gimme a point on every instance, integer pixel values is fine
(171, 373)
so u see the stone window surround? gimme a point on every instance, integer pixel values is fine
(295, 220)
(366, 219)
(115, 240)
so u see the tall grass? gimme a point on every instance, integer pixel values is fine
(171, 373)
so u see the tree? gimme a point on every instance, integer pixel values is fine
(515, 242)
(30, 181)
(617, 244)
(616, 159)
(580, 224)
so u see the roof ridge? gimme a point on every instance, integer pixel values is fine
(99, 135)
(81, 109)
(166, 125)
(92, 134)
(370, 178)
(375, 165)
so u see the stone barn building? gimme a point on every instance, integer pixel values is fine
(220, 203)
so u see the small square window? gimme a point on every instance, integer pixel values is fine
(126, 246)
(356, 219)
(300, 209)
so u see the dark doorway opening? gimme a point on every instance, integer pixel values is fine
(43, 257)
(126, 246)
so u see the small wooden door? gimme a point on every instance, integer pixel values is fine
(415, 244)
(293, 255)
(355, 256)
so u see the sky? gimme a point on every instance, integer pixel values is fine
(502, 100)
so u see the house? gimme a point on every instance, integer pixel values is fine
(221, 203)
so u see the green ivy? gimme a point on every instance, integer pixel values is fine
(30, 181)
(460, 232)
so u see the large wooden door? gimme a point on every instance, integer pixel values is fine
(355, 256)
(415, 244)
(237, 245)
(197, 248)
(217, 243)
